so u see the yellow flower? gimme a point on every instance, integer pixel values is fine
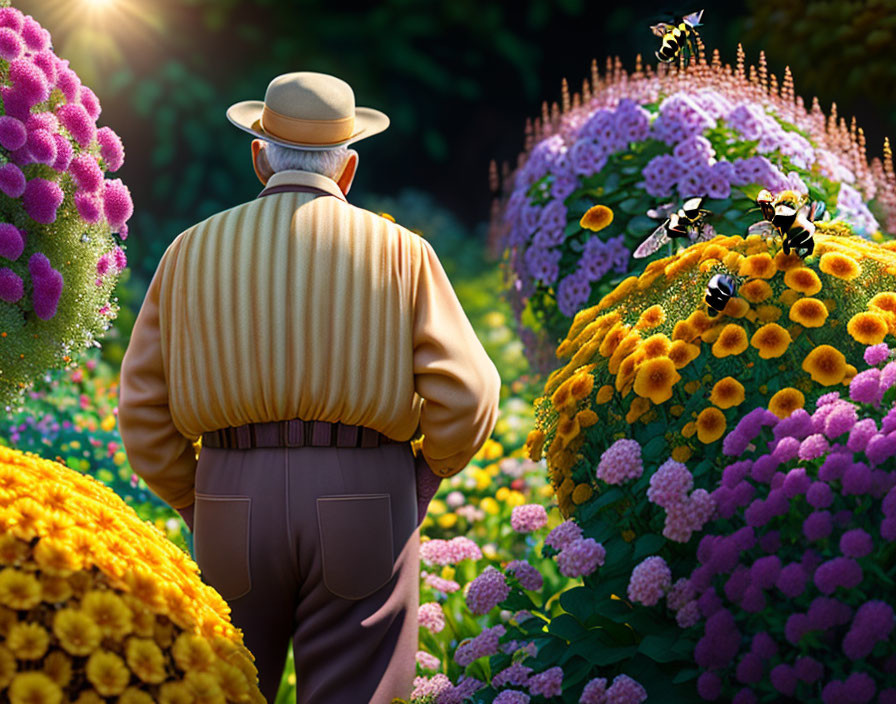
(596, 218)
(193, 653)
(785, 262)
(638, 408)
(683, 353)
(736, 307)
(89, 696)
(676, 410)
(803, 279)
(12, 550)
(759, 266)
(108, 423)
(107, 673)
(581, 494)
(535, 444)
(567, 430)
(851, 371)
(55, 557)
(689, 429)
(768, 313)
(134, 695)
(771, 340)
(76, 631)
(885, 301)
(727, 392)
(731, 341)
(145, 659)
(58, 667)
(809, 312)
(683, 330)
(867, 328)
(786, 401)
(490, 506)
(623, 350)
(604, 394)
(840, 265)
(28, 641)
(826, 365)
(119, 458)
(655, 379)
(232, 682)
(651, 318)
(755, 291)
(710, 425)
(447, 520)
(34, 688)
(175, 693)
(19, 590)
(8, 666)
(657, 345)
(580, 386)
(682, 453)
(586, 418)
(204, 688)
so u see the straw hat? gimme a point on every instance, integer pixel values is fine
(308, 110)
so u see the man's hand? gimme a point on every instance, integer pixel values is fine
(427, 486)
(187, 515)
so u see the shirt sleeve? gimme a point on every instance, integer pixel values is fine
(459, 384)
(165, 459)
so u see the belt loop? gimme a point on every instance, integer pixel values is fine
(346, 435)
(321, 434)
(243, 437)
(294, 433)
(369, 437)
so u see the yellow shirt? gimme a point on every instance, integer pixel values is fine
(296, 306)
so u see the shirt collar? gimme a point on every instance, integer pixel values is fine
(294, 177)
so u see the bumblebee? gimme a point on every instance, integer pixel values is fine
(689, 221)
(676, 36)
(719, 291)
(790, 216)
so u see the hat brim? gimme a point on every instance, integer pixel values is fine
(247, 116)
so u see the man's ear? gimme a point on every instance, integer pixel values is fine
(260, 162)
(348, 172)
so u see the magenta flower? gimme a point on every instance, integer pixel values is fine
(12, 241)
(483, 645)
(90, 102)
(88, 206)
(41, 146)
(36, 37)
(29, 83)
(876, 354)
(117, 204)
(12, 180)
(13, 134)
(111, 148)
(12, 288)
(529, 577)
(428, 661)
(441, 552)
(12, 18)
(10, 44)
(41, 199)
(47, 286)
(75, 119)
(64, 153)
(87, 173)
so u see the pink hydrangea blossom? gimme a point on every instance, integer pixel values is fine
(88, 206)
(450, 552)
(41, 146)
(670, 484)
(483, 645)
(548, 683)
(36, 37)
(446, 586)
(563, 534)
(29, 83)
(650, 580)
(528, 518)
(876, 354)
(430, 687)
(90, 102)
(431, 617)
(64, 153)
(117, 204)
(625, 690)
(87, 173)
(75, 119)
(428, 661)
(529, 576)
(111, 148)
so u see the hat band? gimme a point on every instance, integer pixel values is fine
(296, 129)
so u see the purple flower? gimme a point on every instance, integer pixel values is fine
(783, 679)
(548, 683)
(10, 44)
(572, 293)
(12, 241)
(861, 434)
(808, 669)
(580, 557)
(857, 478)
(838, 572)
(856, 543)
(791, 580)
(12, 180)
(595, 692)
(620, 462)
(12, 288)
(87, 173)
(814, 447)
(834, 466)
(64, 153)
(77, 121)
(36, 37)
(625, 690)
(563, 535)
(117, 204)
(840, 420)
(587, 157)
(763, 646)
(765, 571)
(865, 387)
(649, 581)
(529, 577)
(47, 286)
(661, 174)
(12, 132)
(709, 686)
(670, 483)
(29, 83)
(818, 525)
(820, 495)
(796, 482)
(487, 591)
(88, 206)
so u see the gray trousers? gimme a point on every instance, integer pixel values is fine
(319, 545)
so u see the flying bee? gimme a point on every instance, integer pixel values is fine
(689, 221)
(676, 36)
(719, 291)
(790, 216)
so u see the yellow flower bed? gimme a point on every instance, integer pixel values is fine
(649, 362)
(96, 603)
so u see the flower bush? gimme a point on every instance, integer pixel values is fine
(635, 142)
(96, 603)
(806, 515)
(62, 221)
(649, 364)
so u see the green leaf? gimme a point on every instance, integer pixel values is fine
(579, 602)
(641, 226)
(685, 676)
(658, 647)
(648, 545)
(567, 627)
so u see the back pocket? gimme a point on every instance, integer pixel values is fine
(221, 543)
(356, 543)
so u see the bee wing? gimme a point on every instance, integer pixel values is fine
(660, 29)
(661, 212)
(692, 206)
(763, 227)
(816, 211)
(656, 240)
(694, 18)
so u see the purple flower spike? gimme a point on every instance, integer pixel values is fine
(41, 199)
(12, 242)
(12, 288)
(13, 134)
(12, 180)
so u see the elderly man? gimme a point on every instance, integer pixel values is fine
(307, 342)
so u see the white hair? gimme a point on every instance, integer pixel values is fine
(328, 162)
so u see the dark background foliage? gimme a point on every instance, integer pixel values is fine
(457, 77)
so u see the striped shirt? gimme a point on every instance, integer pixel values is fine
(296, 306)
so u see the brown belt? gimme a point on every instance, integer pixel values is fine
(295, 433)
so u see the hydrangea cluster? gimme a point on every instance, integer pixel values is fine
(483, 645)
(528, 518)
(651, 138)
(809, 527)
(686, 511)
(486, 591)
(649, 364)
(650, 581)
(431, 617)
(59, 260)
(449, 552)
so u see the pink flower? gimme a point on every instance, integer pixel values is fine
(548, 683)
(28, 82)
(41, 200)
(649, 581)
(88, 206)
(427, 661)
(528, 518)
(483, 645)
(625, 690)
(529, 577)
(670, 484)
(620, 462)
(117, 204)
(580, 557)
(111, 148)
(102, 266)
(75, 119)
(42, 146)
(680, 594)
(64, 153)
(487, 591)
(595, 692)
(90, 102)
(12, 18)
(441, 552)
(68, 82)
(446, 586)
(46, 61)
(87, 173)
(431, 617)
(36, 37)
(877, 354)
